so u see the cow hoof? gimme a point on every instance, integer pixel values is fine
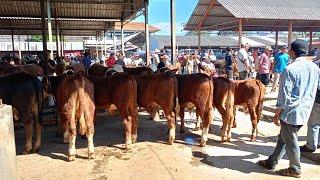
(203, 143)
(25, 152)
(35, 150)
(91, 155)
(127, 146)
(234, 125)
(253, 139)
(134, 140)
(228, 140)
(71, 158)
(171, 140)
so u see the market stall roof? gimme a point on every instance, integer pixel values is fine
(74, 16)
(257, 15)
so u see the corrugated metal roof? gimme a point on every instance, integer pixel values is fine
(94, 14)
(258, 15)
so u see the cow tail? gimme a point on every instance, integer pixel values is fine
(262, 89)
(81, 95)
(176, 99)
(230, 103)
(40, 98)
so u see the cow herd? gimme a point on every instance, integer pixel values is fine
(79, 94)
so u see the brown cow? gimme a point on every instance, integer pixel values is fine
(97, 69)
(198, 90)
(159, 90)
(138, 70)
(250, 95)
(75, 101)
(119, 90)
(31, 69)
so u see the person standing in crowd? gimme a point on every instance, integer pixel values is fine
(120, 60)
(87, 61)
(298, 84)
(264, 66)
(313, 125)
(242, 62)
(280, 63)
(229, 61)
(111, 60)
(255, 55)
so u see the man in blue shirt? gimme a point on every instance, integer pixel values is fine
(229, 61)
(87, 61)
(297, 92)
(280, 63)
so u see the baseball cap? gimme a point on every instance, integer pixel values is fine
(268, 48)
(299, 45)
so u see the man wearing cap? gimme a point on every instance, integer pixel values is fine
(242, 62)
(264, 66)
(297, 92)
(280, 63)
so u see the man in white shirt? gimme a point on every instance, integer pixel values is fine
(243, 62)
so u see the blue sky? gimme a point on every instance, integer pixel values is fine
(159, 14)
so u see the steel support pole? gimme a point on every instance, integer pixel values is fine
(199, 41)
(44, 37)
(105, 45)
(49, 28)
(240, 33)
(97, 53)
(57, 34)
(277, 40)
(310, 40)
(101, 47)
(289, 34)
(114, 40)
(28, 43)
(12, 42)
(122, 38)
(173, 31)
(146, 19)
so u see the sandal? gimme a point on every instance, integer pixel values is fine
(265, 165)
(289, 172)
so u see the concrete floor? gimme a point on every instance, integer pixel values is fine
(152, 158)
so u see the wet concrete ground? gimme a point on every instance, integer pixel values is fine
(152, 158)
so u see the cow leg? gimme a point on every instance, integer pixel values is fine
(254, 122)
(72, 142)
(38, 137)
(134, 132)
(90, 132)
(182, 130)
(197, 128)
(206, 121)
(171, 126)
(127, 122)
(28, 144)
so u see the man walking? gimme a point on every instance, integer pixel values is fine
(264, 66)
(280, 63)
(229, 61)
(242, 62)
(313, 127)
(297, 91)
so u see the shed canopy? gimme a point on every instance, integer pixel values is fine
(75, 17)
(257, 15)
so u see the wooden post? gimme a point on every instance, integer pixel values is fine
(310, 41)
(44, 37)
(146, 19)
(277, 40)
(173, 31)
(12, 42)
(289, 34)
(199, 41)
(240, 33)
(122, 38)
(8, 162)
(49, 28)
